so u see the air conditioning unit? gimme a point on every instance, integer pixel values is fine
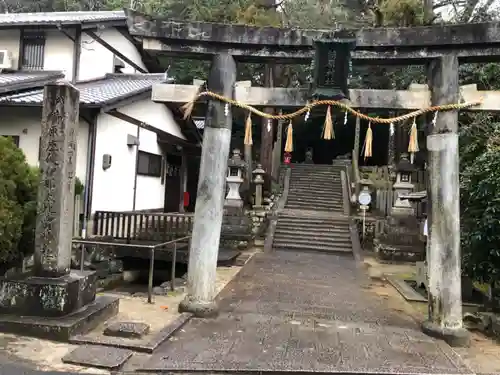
(5, 59)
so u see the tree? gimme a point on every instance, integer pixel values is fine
(480, 203)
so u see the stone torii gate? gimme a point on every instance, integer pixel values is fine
(441, 48)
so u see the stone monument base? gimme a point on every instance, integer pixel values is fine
(53, 308)
(29, 295)
(64, 327)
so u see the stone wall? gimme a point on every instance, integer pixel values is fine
(259, 217)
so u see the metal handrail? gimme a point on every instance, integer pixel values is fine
(151, 248)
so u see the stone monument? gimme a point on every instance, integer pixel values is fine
(53, 301)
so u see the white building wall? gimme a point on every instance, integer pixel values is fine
(58, 53)
(96, 60)
(114, 188)
(25, 123)
(9, 40)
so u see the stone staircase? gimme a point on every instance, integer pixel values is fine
(315, 187)
(313, 218)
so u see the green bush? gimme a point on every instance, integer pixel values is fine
(18, 184)
(18, 202)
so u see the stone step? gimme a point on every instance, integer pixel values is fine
(310, 188)
(310, 182)
(313, 168)
(316, 179)
(334, 236)
(313, 205)
(313, 220)
(316, 173)
(320, 198)
(305, 223)
(333, 210)
(283, 223)
(341, 231)
(316, 195)
(303, 206)
(312, 248)
(346, 244)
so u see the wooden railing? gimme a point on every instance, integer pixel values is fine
(142, 226)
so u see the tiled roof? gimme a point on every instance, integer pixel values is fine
(95, 93)
(49, 18)
(10, 82)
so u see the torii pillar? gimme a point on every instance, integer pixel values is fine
(444, 257)
(204, 247)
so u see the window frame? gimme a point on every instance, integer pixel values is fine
(36, 37)
(14, 138)
(152, 170)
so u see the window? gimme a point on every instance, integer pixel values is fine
(149, 164)
(14, 138)
(33, 46)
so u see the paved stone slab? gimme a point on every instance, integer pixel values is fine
(127, 330)
(263, 343)
(98, 356)
(304, 312)
(304, 284)
(145, 344)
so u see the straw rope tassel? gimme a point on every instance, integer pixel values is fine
(328, 132)
(289, 138)
(368, 141)
(248, 130)
(187, 108)
(413, 144)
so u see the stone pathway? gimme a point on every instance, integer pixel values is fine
(288, 311)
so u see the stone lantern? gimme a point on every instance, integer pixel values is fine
(234, 180)
(403, 186)
(258, 180)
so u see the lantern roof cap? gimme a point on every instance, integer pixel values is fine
(258, 169)
(404, 164)
(235, 160)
